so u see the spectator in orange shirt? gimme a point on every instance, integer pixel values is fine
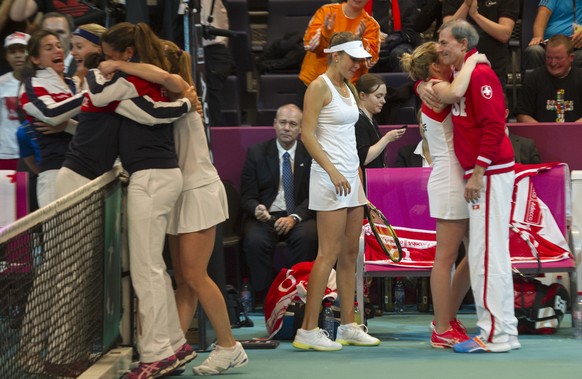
(328, 19)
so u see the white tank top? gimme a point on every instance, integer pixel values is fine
(438, 131)
(336, 131)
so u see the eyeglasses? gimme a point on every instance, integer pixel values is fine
(282, 123)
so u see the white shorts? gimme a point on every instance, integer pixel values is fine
(322, 196)
(198, 209)
(446, 188)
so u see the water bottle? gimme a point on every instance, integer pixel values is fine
(422, 287)
(577, 317)
(357, 314)
(246, 295)
(388, 298)
(399, 296)
(328, 320)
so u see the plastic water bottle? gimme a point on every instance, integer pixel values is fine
(246, 295)
(357, 314)
(577, 317)
(328, 320)
(399, 296)
(388, 298)
(422, 287)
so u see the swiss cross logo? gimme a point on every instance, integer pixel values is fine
(487, 92)
(475, 207)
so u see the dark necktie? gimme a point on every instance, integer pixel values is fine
(288, 183)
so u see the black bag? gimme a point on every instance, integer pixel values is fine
(235, 309)
(292, 321)
(282, 56)
(539, 308)
(294, 318)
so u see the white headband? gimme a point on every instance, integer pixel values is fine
(353, 49)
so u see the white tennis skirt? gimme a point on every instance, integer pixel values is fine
(322, 195)
(199, 209)
(446, 188)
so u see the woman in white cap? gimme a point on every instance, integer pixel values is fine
(330, 113)
(15, 45)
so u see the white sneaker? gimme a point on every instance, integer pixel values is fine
(315, 339)
(354, 334)
(222, 359)
(514, 343)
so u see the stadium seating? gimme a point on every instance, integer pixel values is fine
(231, 107)
(287, 16)
(274, 90)
(240, 46)
(406, 113)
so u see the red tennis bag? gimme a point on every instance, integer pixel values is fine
(539, 308)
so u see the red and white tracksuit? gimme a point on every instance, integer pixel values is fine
(480, 139)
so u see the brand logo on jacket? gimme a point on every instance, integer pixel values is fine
(487, 92)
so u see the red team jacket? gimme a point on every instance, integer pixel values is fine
(479, 124)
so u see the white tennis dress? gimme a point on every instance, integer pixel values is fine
(336, 135)
(202, 203)
(446, 185)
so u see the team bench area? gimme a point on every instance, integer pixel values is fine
(400, 193)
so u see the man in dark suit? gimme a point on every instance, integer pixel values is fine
(524, 149)
(408, 156)
(275, 199)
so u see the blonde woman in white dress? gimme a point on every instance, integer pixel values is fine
(335, 191)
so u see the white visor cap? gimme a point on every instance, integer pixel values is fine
(354, 49)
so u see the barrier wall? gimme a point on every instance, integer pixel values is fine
(556, 143)
(230, 144)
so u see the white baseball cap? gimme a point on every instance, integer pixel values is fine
(16, 38)
(354, 49)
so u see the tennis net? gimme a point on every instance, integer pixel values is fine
(60, 280)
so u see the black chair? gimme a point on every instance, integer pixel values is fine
(529, 10)
(231, 102)
(521, 35)
(240, 45)
(287, 16)
(406, 109)
(514, 48)
(274, 90)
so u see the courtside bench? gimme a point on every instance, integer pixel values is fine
(400, 193)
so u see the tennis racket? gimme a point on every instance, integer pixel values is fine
(533, 250)
(385, 235)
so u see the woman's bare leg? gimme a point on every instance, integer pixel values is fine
(449, 235)
(346, 264)
(186, 299)
(195, 252)
(331, 226)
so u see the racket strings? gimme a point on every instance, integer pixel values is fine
(385, 234)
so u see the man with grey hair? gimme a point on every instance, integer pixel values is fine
(485, 153)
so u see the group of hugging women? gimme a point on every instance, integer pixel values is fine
(138, 105)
